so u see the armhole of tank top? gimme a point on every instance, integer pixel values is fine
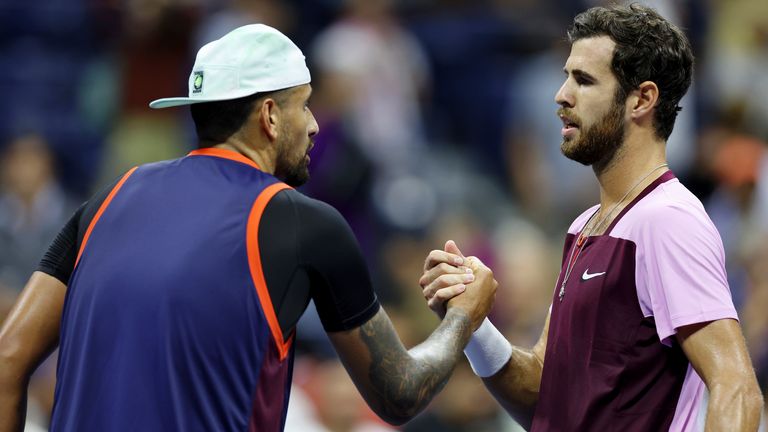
(256, 269)
(100, 211)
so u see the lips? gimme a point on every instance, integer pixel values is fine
(309, 148)
(570, 124)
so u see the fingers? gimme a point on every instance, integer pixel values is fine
(451, 247)
(478, 297)
(445, 281)
(437, 257)
(475, 264)
(437, 302)
(435, 272)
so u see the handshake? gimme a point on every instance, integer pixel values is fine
(451, 280)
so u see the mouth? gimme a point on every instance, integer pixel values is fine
(570, 126)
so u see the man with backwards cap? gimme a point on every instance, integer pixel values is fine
(174, 293)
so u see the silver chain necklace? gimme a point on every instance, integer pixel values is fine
(584, 234)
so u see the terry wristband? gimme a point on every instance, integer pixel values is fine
(488, 350)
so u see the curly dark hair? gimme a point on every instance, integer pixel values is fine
(648, 48)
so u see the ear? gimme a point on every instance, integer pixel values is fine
(269, 118)
(644, 99)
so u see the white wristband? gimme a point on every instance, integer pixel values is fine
(488, 350)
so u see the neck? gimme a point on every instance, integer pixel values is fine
(263, 154)
(636, 165)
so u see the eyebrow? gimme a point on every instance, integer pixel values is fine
(578, 73)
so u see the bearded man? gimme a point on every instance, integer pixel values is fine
(642, 334)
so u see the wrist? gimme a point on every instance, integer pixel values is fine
(488, 350)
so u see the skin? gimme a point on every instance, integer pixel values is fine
(516, 385)
(716, 349)
(397, 383)
(29, 335)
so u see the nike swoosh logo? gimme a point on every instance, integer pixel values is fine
(588, 276)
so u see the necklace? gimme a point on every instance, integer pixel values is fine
(584, 234)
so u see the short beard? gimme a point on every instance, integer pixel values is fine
(292, 173)
(598, 145)
(295, 175)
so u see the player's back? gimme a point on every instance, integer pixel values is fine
(163, 325)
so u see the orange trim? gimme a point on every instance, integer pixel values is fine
(103, 207)
(224, 153)
(257, 273)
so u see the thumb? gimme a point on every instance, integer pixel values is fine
(450, 247)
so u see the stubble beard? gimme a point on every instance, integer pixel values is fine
(294, 173)
(597, 145)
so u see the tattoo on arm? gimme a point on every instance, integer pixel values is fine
(406, 381)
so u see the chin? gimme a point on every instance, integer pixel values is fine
(569, 147)
(576, 154)
(296, 179)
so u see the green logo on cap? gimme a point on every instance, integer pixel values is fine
(197, 84)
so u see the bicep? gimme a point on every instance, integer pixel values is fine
(716, 350)
(59, 260)
(31, 330)
(308, 252)
(340, 283)
(680, 273)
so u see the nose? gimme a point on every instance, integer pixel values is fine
(564, 97)
(314, 128)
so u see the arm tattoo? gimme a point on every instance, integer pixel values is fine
(408, 380)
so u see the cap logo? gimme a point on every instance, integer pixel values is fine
(197, 83)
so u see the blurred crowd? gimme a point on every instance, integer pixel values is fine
(437, 121)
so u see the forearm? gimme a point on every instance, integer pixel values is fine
(404, 382)
(516, 385)
(13, 399)
(28, 335)
(734, 407)
(512, 374)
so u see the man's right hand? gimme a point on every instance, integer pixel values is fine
(447, 274)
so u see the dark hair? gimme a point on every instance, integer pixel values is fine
(216, 121)
(648, 48)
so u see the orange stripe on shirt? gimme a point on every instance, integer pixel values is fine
(103, 207)
(225, 154)
(257, 272)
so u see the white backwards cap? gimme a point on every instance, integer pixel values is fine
(251, 59)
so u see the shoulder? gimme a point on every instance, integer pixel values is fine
(304, 205)
(670, 205)
(308, 212)
(669, 211)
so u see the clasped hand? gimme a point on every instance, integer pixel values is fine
(452, 280)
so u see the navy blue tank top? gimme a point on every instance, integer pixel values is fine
(167, 321)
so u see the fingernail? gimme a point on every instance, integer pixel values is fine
(468, 270)
(468, 277)
(462, 288)
(458, 260)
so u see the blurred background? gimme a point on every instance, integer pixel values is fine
(437, 122)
